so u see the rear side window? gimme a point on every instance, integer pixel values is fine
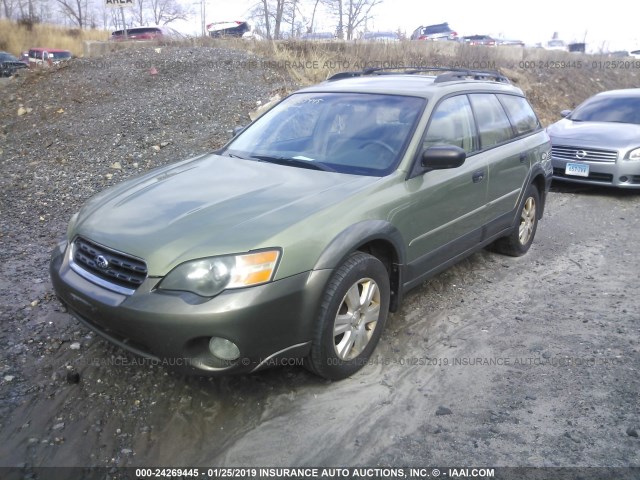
(493, 124)
(522, 115)
(141, 31)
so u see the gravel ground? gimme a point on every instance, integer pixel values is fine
(495, 362)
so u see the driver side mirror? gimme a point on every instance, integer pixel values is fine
(565, 113)
(442, 157)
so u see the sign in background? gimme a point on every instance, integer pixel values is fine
(119, 3)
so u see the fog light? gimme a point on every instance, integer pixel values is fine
(624, 179)
(224, 349)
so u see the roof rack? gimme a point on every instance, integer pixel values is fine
(447, 75)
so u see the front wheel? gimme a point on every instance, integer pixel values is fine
(352, 315)
(519, 241)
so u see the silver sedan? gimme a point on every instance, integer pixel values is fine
(599, 142)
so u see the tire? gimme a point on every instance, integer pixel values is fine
(518, 242)
(352, 315)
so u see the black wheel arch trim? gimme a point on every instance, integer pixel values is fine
(357, 237)
(536, 172)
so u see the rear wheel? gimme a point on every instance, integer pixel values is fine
(352, 315)
(519, 241)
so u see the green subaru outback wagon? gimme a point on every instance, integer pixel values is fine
(296, 239)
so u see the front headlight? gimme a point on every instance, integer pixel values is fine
(634, 155)
(210, 276)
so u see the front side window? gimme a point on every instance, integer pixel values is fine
(356, 133)
(451, 124)
(493, 125)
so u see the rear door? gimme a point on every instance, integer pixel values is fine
(508, 163)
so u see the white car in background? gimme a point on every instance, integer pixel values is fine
(556, 44)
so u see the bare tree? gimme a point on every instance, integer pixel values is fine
(74, 10)
(8, 8)
(28, 10)
(138, 12)
(166, 11)
(279, 11)
(268, 15)
(294, 17)
(316, 4)
(358, 12)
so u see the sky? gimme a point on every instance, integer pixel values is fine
(614, 27)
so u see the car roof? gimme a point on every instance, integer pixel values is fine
(623, 92)
(425, 86)
(52, 50)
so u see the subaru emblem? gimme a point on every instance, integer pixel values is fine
(102, 262)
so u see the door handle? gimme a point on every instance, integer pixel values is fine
(478, 176)
(523, 157)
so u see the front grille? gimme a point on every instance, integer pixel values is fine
(576, 154)
(113, 267)
(596, 177)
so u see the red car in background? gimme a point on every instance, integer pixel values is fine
(144, 33)
(46, 57)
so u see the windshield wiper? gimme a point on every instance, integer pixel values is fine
(233, 155)
(296, 162)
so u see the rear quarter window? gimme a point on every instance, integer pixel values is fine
(521, 114)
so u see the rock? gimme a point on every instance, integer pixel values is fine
(58, 426)
(73, 377)
(632, 432)
(75, 346)
(156, 148)
(8, 378)
(21, 111)
(116, 165)
(443, 411)
(126, 451)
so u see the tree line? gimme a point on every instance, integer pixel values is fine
(273, 19)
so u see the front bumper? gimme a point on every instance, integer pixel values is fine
(271, 324)
(622, 174)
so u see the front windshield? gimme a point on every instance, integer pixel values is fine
(617, 109)
(60, 55)
(355, 133)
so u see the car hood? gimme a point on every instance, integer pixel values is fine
(211, 205)
(607, 135)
